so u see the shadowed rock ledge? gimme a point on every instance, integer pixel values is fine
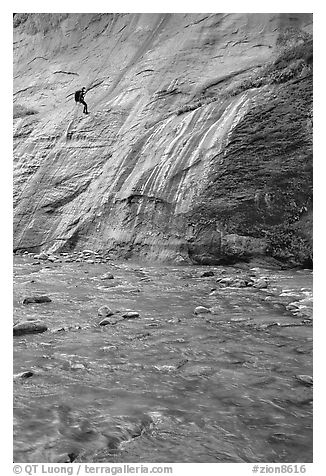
(197, 148)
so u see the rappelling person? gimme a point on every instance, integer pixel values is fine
(79, 97)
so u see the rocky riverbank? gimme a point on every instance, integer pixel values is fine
(298, 304)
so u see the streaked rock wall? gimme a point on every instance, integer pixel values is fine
(198, 145)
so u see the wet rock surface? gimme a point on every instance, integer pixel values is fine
(29, 327)
(107, 276)
(36, 300)
(201, 310)
(23, 375)
(130, 315)
(108, 320)
(305, 380)
(169, 385)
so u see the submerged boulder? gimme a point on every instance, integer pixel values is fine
(29, 327)
(36, 300)
(107, 276)
(23, 375)
(42, 256)
(202, 310)
(207, 274)
(233, 282)
(130, 315)
(108, 320)
(306, 380)
(260, 283)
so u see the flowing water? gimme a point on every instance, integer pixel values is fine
(170, 385)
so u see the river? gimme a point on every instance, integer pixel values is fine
(170, 385)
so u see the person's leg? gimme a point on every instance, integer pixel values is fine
(85, 106)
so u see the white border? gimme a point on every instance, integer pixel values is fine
(319, 186)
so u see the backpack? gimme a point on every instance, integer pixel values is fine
(78, 95)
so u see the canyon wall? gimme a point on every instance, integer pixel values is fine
(198, 142)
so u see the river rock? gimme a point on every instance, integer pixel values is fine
(107, 276)
(214, 292)
(226, 281)
(108, 320)
(306, 380)
(293, 306)
(141, 336)
(23, 375)
(240, 283)
(59, 329)
(42, 256)
(207, 274)
(231, 282)
(29, 327)
(202, 310)
(130, 315)
(234, 282)
(260, 283)
(104, 311)
(36, 300)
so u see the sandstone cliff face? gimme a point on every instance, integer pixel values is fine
(198, 145)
